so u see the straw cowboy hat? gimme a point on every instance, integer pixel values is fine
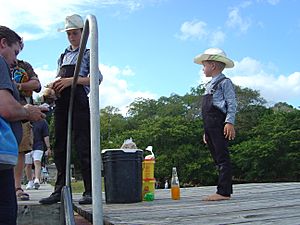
(72, 22)
(214, 54)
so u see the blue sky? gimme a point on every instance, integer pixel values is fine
(146, 47)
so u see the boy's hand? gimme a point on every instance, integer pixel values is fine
(229, 131)
(62, 83)
(204, 139)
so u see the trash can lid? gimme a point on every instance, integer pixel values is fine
(124, 150)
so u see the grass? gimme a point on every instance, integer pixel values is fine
(77, 186)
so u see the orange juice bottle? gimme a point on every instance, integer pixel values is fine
(175, 188)
(175, 192)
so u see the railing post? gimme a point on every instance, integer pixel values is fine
(95, 125)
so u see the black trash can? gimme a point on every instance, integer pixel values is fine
(122, 175)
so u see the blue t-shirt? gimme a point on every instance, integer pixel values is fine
(40, 130)
(7, 84)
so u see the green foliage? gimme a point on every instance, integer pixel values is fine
(271, 151)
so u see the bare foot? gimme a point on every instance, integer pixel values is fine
(216, 197)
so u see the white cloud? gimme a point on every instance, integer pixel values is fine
(113, 90)
(44, 17)
(45, 76)
(217, 38)
(191, 30)
(127, 71)
(271, 2)
(32, 14)
(132, 5)
(32, 37)
(253, 74)
(245, 4)
(235, 20)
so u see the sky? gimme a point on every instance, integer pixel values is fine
(147, 47)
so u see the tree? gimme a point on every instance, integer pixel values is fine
(272, 150)
(247, 97)
(283, 107)
(112, 124)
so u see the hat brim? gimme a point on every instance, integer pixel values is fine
(66, 29)
(207, 57)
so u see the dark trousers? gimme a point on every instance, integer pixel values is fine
(218, 147)
(213, 120)
(81, 137)
(8, 200)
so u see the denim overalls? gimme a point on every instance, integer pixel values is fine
(214, 121)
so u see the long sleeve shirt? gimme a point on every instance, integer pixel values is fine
(224, 96)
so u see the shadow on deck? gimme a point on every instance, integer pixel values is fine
(33, 213)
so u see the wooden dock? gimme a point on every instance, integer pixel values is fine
(255, 204)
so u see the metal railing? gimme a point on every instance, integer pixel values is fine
(67, 215)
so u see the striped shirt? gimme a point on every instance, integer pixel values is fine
(70, 57)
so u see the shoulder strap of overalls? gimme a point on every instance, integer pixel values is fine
(215, 87)
(61, 58)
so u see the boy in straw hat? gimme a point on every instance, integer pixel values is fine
(81, 111)
(218, 112)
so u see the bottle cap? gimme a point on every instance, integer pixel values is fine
(149, 157)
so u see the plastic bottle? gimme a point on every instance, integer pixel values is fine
(175, 188)
(166, 184)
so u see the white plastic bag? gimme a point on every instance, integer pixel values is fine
(129, 144)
